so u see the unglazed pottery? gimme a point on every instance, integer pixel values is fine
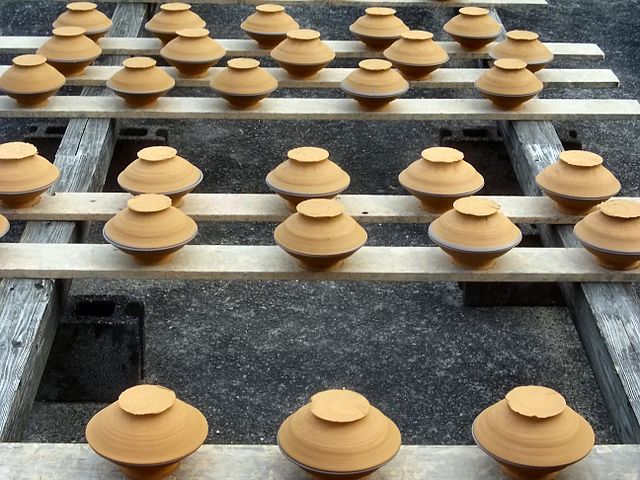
(147, 432)
(302, 54)
(307, 173)
(474, 233)
(378, 28)
(415, 54)
(612, 234)
(160, 170)
(243, 83)
(320, 235)
(70, 51)
(30, 81)
(140, 82)
(508, 84)
(172, 17)
(524, 45)
(374, 84)
(577, 182)
(532, 433)
(24, 175)
(339, 435)
(150, 229)
(85, 15)
(439, 178)
(4, 226)
(473, 28)
(192, 52)
(269, 25)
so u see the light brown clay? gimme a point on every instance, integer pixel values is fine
(147, 432)
(243, 83)
(269, 25)
(24, 175)
(339, 435)
(508, 84)
(532, 433)
(302, 54)
(577, 182)
(374, 84)
(192, 52)
(320, 235)
(378, 28)
(85, 15)
(140, 82)
(439, 178)
(4, 226)
(474, 233)
(70, 51)
(172, 17)
(473, 28)
(30, 81)
(416, 55)
(524, 45)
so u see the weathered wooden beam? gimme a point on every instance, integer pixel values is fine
(366, 3)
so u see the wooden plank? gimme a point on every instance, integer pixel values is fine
(366, 3)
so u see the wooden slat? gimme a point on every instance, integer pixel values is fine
(363, 3)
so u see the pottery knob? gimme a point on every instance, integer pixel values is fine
(417, 35)
(243, 63)
(149, 203)
(193, 32)
(476, 206)
(175, 7)
(536, 401)
(580, 158)
(303, 34)
(29, 60)
(320, 208)
(157, 153)
(81, 6)
(510, 64)
(442, 155)
(146, 399)
(473, 11)
(339, 406)
(308, 154)
(522, 35)
(139, 62)
(623, 209)
(380, 11)
(17, 150)
(375, 65)
(270, 8)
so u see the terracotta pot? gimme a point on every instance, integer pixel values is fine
(320, 235)
(525, 46)
(160, 170)
(147, 432)
(612, 234)
(85, 15)
(4, 226)
(140, 82)
(532, 433)
(378, 28)
(30, 81)
(70, 51)
(172, 17)
(416, 55)
(474, 233)
(24, 175)
(307, 173)
(473, 28)
(374, 84)
(150, 229)
(339, 435)
(508, 84)
(243, 83)
(439, 178)
(269, 25)
(577, 182)
(303, 54)
(192, 52)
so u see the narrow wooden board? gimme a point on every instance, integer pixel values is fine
(363, 3)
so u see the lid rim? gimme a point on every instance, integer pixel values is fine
(167, 194)
(466, 249)
(147, 250)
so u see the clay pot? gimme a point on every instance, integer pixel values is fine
(140, 82)
(192, 52)
(474, 233)
(508, 84)
(160, 170)
(307, 173)
(269, 25)
(70, 51)
(30, 81)
(339, 435)
(374, 84)
(577, 182)
(320, 235)
(532, 433)
(378, 28)
(172, 17)
(150, 229)
(439, 178)
(85, 15)
(303, 54)
(525, 46)
(24, 175)
(473, 28)
(416, 55)
(243, 83)
(612, 234)
(4, 226)
(147, 432)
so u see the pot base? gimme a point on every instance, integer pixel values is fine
(302, 71)
(137, 100)
(32, 99)
(508, 103)
(243, 102)
(472, 43)
(473, 261)
(416, 72)
(71, 69)
(266, 40)
(375, 43)
(21, 201)
(369, 103)
(614, 261)
(523, 473)
(192, 69)
(320, 265)
(437, 204)
(149, 473)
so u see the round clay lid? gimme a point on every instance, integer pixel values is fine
(68, 31)
(157, 153)
(4, 226)
(17, 150)
(146, 399)
(29, 60)
(81, 6)
(320, 208)
(522, 35)
(149, 203)
(510, 64)
(442, 155)
(303, 34)
(580, 158)
(139, 62)
(473, 11)
(193, 32)
(380, 11)
(476, 206)
(536, 401)
(340, 406)
(175, 7)
(375, 64)
(308, 154)
(620, 208)
(269, 8)
(243, 63)
(419, 35)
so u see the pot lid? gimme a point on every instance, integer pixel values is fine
(85, 15)
(140, 75)
(473, 22)
(269, 19)
(416, 47)
(243, 76)
(613, 227)
(22, 170)
(524, 45)
(509, 77)
(147, 426)
(174, 16)
(69, 44)
(533, 427)
(303, 47)
(339, 431)
(4, 226)
(31, 74)
(193, 45)
(379, 22)
(375, 78)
